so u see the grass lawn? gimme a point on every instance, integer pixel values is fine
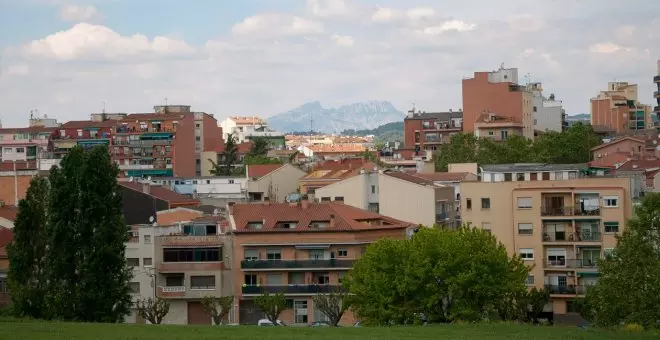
(36, 330)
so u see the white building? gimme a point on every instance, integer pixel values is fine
(212, 190)
(547, 112)
(247, 128)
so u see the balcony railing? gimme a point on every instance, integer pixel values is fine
(571, 263)
(440, 216)
(570, 211)
(173, 289)
(588, 236)
(584, 236)
(290, 289)
(291, 264)
(566, 289)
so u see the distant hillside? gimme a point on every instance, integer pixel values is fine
(358, 116)
(579, 117)
(389, 127)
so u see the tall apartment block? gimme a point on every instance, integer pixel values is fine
(556, 219)
(426, 130)
(618, 108)
(497, 94)
(548, 112)
(656, 94)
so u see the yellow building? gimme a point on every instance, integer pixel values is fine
(560, 227)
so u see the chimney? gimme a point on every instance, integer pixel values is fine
(332, 220)
(146, 188)
(304, 203)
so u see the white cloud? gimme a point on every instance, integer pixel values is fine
(328, 8)
(18, 70)
(449, 26)
(277, 24)
(383, 15)
(606, 47)
(419, 13)
(73, 13)
(343, 40)
(86, 41)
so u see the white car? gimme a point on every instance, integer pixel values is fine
(266, 322)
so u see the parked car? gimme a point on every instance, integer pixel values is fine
(266, 322)
(320, 324)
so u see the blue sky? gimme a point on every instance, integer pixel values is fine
(267, 56)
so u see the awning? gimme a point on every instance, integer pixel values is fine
(313, 246)
(588, 274)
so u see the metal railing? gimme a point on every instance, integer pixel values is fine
(290, 289)
(583, 236)
(173, 289)
(567, 289)
(570, 211)
(288, 264)
(572, 263)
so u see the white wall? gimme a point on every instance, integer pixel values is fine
(504, 76)
(355, 190)
(499, 176)
(548, 114)
(406, 201)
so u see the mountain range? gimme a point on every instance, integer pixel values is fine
(357, 116)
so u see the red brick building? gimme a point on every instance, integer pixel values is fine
(425, 131)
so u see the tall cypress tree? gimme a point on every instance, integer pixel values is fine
(64, 236)
(27, 251)
(103, 289)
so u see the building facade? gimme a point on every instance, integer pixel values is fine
(299, 250)
(656, 93)
(425, 131)
(619, 109)
(559, 227)
(497, 128)
(273, 182)
(246, 129)
(497, 92)
(548, 112)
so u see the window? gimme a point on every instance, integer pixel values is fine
(608, 252)
(20, 150)
(529, 280)
(468, 203)
(231, 181)
(8, 150)
(508, 177)
(485, 226)
(524, 202)
(300, 311)
(80, 132)
(147, 239)
(527, 254)
(250, 255)
(135, 287)
(192, 254)
(559, 176)
(133, 262)
(62, 133)
(525, 229)
(545, 176)
(533, 176)
(202, 282)
(520, 177)
(325, 199)
(274, 254)
(316, 254)
(208, 181)
(342, 252)
(197, 125)
(274, 279)
(250, 280)
(339, 198)
(197, 138)
(340, 277)
(373, 189)
(255, 225)
(611, 227)
(556, 257)
(572, 175)
(147, 261)
(534, 111)
(485, 203)
(611, 201)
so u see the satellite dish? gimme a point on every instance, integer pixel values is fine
(151, 219)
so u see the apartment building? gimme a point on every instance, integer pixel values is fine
(332, 151)
(246, 129)
(83, 133)
(426, 130)
(331, 172)
(26, 144)
(272, 182)
(619, 109)
(5, 237)
(216, 190)
(143, 200)
(497, 92)
(548, 112)
(300, 249)
(656, 94)
(15, 179)
(560, 225)
(497, 128)
(381, 192)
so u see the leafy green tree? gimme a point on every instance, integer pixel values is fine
(259, 148)
(250, 160)
(292, 156)
(444, 274)
(217, 307)
(27, 252)
(228, 157)
(64, 242)
(104, 278)
(153, 310)
(628, 289)
(272, 305)
(461, 149)
(333, 304)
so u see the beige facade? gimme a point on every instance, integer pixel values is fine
(397, 195)
(559, 227)
(278, 183)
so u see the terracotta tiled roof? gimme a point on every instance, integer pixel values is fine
(8, 212)
(489, 118)
(611, 161)
(81, 124)
(321, 174)
(247, 120)
(6, 235)
(344, 164)
(444, 176)
(338, 148)
(339, 216)
(261, 170)
(343, 139)
(20, 165)
(639, 165)
(153, 116)
(32, 129)
(244, 148)
(160, 193)
(616, 141)
(410, 178)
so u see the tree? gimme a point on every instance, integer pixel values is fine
(535, 300)
(153, 310)
(272, 305)
(628, 289)
(27, 252)
(293, 156)
(104, 278)
(333, 305)
(217, 307)
(250, 160)
(229, 157)
(445, 275)
(259, 148)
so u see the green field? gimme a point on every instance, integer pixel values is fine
(34, 330)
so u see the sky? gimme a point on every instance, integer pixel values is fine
(67, 59)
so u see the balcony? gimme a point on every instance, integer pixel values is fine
(571, 263)
(588, 236)
(656, 109)
(584, 236)
(442, 216)
(179, 267)
(429, 125)
(656, 94)
(656, 79)
(296, 264)
(289, 289)
(566, 289)
(569, 211)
